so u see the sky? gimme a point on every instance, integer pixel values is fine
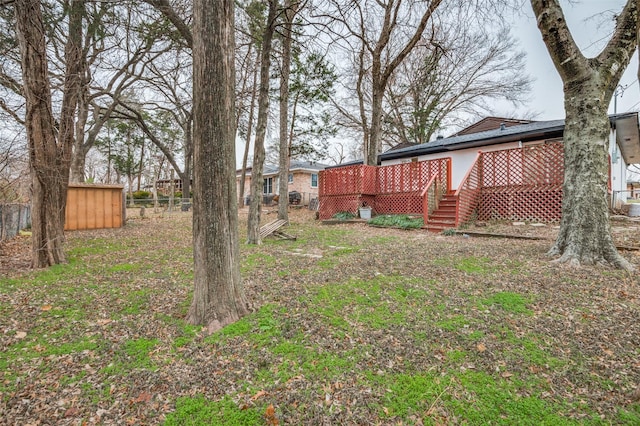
(591, 29)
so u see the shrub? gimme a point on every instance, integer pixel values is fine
(141, 195)
(344, 216)
(397, 221)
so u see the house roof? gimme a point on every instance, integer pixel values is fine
(305, 166)
(491, 123)
(523, 132)
(627, 134)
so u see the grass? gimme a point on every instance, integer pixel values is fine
(388, 327)
(508, 301)
(200, 411)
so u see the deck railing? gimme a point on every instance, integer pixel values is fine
(392, 189)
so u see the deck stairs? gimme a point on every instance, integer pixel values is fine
(444, 216)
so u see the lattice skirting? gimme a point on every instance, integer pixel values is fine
(526, 205)
(332, 204)
(404, 203)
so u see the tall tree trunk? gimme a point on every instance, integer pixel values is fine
(589, 83)
(140, 166)
(245, 156)
(218, 297)
(253, 223)
(290, 10)
(80, 149)
(49, 157)
(188, 158)
(374, 147)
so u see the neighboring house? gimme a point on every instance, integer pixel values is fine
(164, 186)
(513, 172)
(303, 179)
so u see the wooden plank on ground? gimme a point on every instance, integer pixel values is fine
(271, 227)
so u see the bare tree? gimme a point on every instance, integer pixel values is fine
(458, 72)
(589, 84)
(218, 297)
(253, 223)
(49, 148)
(383, 33)
(250, 29)
(288, 14)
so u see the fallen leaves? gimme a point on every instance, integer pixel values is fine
(270, 416)
(258, 395)
(142, 398)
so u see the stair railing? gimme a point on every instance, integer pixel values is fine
(468, 193)
(431, 196)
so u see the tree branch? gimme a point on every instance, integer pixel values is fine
(169, 12)
(567, 58)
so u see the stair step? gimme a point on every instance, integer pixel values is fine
(446, 209)
(442, 219)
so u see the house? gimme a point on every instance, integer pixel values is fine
(624, 146)
(509, 172)
(303, 180)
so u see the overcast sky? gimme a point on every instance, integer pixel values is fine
(591, 23)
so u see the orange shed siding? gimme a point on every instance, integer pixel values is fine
(94, 207)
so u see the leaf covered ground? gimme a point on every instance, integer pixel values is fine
(351, 325)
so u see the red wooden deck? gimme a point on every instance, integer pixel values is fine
(515, 184)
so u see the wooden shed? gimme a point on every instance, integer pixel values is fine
(92, 206)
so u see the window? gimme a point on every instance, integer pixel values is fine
(290, 177)
(267, 186)
(314, 180)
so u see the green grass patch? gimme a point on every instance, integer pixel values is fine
(454, 323)
(196, 411)
(402, 221)
(407, 394)
(509, 302)
(261, 327)
(378, 303)
(483, 399)
(136, 302)
(133, 354)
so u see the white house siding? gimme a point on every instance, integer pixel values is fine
(618, 172)
(461, 160)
